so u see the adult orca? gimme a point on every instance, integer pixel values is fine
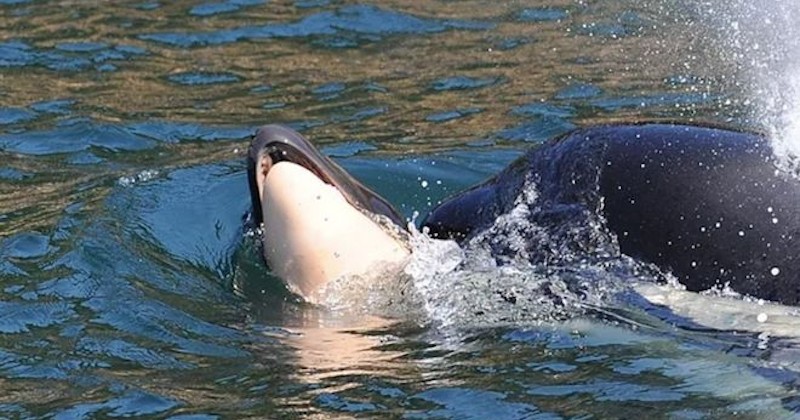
(319, 223)
(709, 205)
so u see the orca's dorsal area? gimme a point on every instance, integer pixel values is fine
(708, 205)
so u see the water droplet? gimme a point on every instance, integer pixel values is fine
(775, 271)
(424, 183)
(762, 317)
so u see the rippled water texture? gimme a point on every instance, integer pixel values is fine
(128, 286)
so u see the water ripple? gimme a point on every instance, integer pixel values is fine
(203, 78)
(444, 116)
(464, 83)
(543, 14)
(538, 109)
(468, 403)
(337, 403)
(127, 311)
(210, 9)
(25, 245)
(74, 135)
(19, 317)
(643, 101)
(357, 19)
(18, 366)
(309, 4)
(15, 115)
(611, 391)
(348, 149)
(131, 403)
(81, 134)
(13, 174)
(56, 106)
(538, 130)
(626, 24)
(124, 350)
(70, 57)
(81, 47)
(176, 132)
(578, 91)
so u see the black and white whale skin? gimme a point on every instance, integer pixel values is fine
(319, 223)
(709, 205)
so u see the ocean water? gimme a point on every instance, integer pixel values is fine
(130, 285)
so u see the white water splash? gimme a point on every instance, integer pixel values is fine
(475, 286)
(759, 40)
(787, 135)
(431, 260)
(772, 43)
(143, 176)
(514, 228)
(725, 312)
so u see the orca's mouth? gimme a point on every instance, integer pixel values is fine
(281, 144)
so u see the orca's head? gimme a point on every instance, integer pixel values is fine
(319, 222)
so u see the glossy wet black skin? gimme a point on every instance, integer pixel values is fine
(708, 205)
(284, 144)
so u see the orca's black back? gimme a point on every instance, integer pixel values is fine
(708, 205)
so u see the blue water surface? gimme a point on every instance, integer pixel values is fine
(131, 283)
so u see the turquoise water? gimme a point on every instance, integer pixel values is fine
(129, 285)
